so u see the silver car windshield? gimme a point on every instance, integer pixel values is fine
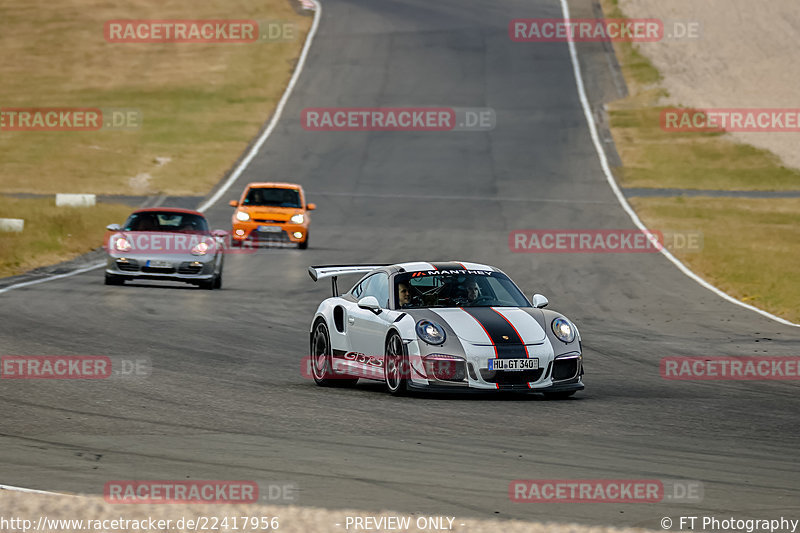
(169, 221)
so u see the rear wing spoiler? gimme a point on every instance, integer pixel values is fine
(319, 272)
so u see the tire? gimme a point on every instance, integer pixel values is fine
(303, 245)
(563, 395)
(395, 366)
(208, 285)
(322, 359)
(111, 279)
(218, 281)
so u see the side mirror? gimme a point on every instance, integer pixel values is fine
(539, 301)
(311, 207)
(233, 203)
(221, 233)
(371, 303)
(114, 227)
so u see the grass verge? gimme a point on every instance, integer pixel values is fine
(52, 234)
(656, 158)
(201, 104)
(750, 246)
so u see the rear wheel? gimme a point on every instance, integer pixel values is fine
(111, 279)
(322, 359)
(395, 366)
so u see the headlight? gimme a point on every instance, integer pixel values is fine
(298, 219)
(200, 249)
(430, 332)
(243, 216)
(563, 330)
(122, 244)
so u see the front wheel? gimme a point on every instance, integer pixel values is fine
(322, 359)
(303, 245)
(111, 279)
(562, 395)
(395, 367)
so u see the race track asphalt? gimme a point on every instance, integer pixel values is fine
(226, 399)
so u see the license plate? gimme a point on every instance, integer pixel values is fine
(270, 229)
(513, 364)
(159, 264)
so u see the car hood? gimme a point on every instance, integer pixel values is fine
(492, 325)
(273, 213)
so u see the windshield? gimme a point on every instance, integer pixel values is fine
(273, 197)
(166, 221)
(472, 288)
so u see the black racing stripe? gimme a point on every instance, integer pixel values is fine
(505, 339)
(448, 266)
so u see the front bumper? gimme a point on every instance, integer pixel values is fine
(555, 373)
(182, 268)
(248, 232)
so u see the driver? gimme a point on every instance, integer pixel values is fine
(403, 295)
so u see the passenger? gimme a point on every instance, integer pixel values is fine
(473, 290)
(403, 295)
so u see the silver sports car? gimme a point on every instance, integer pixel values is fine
(441, 326)
(165, 244)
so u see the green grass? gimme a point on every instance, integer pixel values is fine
(201, 103)
(690, 160)
(635, 66)
(750, 246)
(52, 234)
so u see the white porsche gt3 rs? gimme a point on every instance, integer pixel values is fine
(441, 326)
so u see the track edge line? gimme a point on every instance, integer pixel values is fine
(587, 112)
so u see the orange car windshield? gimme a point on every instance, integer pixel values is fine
(273, 197)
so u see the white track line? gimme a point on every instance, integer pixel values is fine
(242, 165)
(51, 278)
(22, 489)
(275, 117)
(587, 111)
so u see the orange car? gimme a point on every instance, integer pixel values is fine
(271, 212)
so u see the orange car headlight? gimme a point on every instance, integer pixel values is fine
(298, 218)
(242, 216)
